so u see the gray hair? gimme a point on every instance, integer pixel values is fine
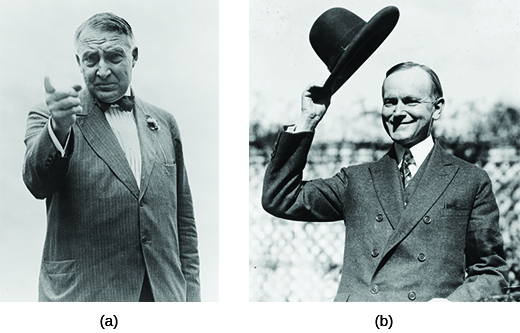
(106, 22)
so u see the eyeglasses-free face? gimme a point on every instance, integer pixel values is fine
(409, 108)
(106, 60)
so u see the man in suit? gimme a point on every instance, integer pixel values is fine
(420, 223)
(120, 221)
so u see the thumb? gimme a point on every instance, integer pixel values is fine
(77, 87)
(49, 88)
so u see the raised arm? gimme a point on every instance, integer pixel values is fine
(45, 166)
(285, 194)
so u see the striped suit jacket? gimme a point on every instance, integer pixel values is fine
(445, 243)
(103, 231)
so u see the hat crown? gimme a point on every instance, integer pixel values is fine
(343, 41)
(332, 33)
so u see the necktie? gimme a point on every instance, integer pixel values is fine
(405, 170)
(126, 103)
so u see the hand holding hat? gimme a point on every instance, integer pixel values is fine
(313, 109)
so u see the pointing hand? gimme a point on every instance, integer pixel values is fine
(64, 104)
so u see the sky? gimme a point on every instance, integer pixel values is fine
(177, 70)
(472, 45)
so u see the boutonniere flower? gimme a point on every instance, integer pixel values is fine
(152, 123)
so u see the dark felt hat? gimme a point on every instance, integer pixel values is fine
(343, 41)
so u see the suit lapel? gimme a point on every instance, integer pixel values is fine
(101, 138)
(437, 176)
(385, 177)
(147, 140)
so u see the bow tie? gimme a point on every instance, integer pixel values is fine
(126, 103)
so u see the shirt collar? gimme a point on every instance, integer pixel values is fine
(420, 151)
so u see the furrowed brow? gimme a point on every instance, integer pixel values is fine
(88, 53)
(115, 49)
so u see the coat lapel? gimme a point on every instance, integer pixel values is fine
(101, 138)
(437, 176)
(147, 140)
(385, 177)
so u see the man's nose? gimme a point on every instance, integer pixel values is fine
(400, 109)
(103, 69)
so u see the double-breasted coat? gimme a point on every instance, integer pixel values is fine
(444, 243)
(103, 230)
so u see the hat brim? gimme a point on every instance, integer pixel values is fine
(362, 46)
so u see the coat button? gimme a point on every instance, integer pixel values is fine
(412, 296)
(375, 253)
(427, 220)
(421, 257)
(374, 289)
(379, 217)
(145, 240)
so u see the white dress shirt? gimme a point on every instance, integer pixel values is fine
(420, 151)
(125, 128)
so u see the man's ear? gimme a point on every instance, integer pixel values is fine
(439, 106)
(79, 63)
(135, 55)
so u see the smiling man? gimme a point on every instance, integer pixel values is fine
(120, 221)
(421, 224)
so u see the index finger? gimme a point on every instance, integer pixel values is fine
(49, 88)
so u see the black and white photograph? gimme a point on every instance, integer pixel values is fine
(109, 144)
(384, 151)
(379, 189)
